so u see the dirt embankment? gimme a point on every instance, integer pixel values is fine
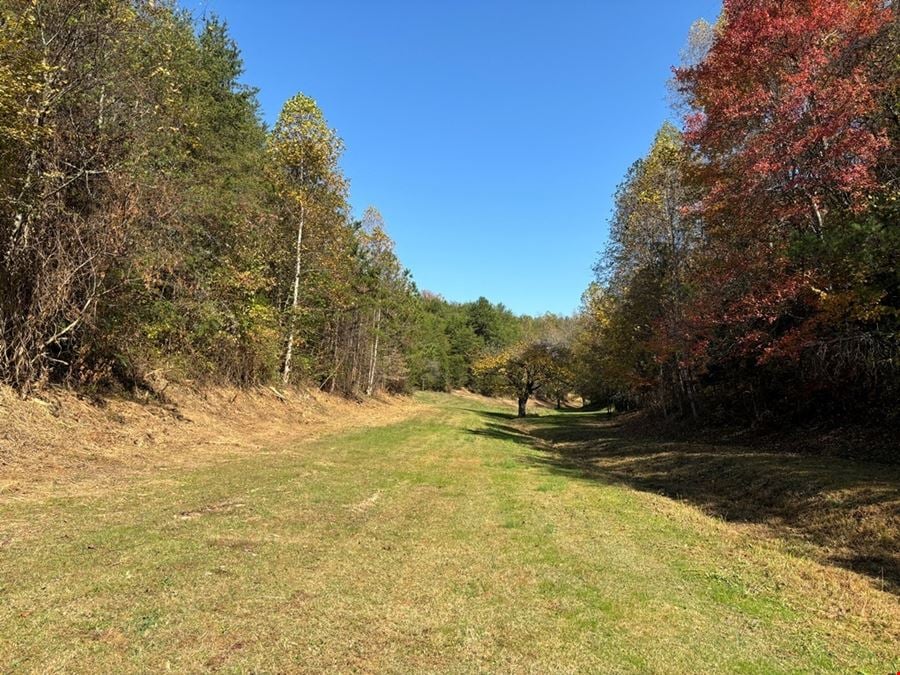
(61, 442)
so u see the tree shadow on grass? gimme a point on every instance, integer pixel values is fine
(848, 510)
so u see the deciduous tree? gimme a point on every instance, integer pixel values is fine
(305, 153)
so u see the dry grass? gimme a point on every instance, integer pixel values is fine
(60, 442)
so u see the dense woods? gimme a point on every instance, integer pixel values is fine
(752, 268)
(152, 227)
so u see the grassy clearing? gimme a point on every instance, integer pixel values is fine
(840, 511)
(442, 543)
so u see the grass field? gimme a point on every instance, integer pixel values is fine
(458, 540)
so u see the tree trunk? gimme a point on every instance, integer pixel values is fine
(817, 216)
(353, 338)
(688, 380)
(523, 400)
(372, 366)
(335, 364)
(24, 204)
(289, 352)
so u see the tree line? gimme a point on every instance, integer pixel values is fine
(152, 226)
(151, 223)
(752, 266)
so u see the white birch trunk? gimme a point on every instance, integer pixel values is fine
(372, 366)
(289, 351)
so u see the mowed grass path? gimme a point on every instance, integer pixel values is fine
(430, 545)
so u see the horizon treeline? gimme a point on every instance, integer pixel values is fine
(153, 227)
(752, 267)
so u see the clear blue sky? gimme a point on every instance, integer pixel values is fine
(491, 134)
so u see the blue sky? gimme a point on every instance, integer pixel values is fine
(491, 134)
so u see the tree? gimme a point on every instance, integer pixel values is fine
(494, 325)
(645, 270)
(382, 269)
(560, 377)
(781, 102)
(524, 368)
(91, 115)
(197, 297)
(752, 262)
(792, 143)
(589, 376)
(305, 153)
(385, 295)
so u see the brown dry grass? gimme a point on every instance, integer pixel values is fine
(65, 443)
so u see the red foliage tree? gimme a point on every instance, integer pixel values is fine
(784, 130)
(782, 104)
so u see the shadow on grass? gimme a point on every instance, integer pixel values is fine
(848, 510)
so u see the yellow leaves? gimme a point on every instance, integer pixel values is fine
(650, 197)
(493, 362)
(161, 71)
(304, 153)
(22, 78)
(530, 360)
(864, 305)
(302, 137)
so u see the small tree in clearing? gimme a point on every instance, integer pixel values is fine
(524, 369)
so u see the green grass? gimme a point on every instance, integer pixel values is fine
(436, 544)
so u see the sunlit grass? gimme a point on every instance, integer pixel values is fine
(424, 545)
